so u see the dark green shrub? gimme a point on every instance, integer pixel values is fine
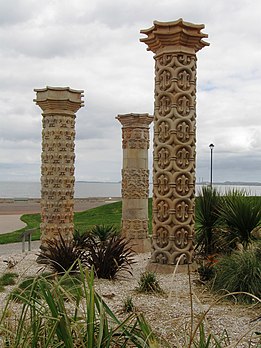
(148, 283)
(239, 272)
(62, 255)
(207, 219)
(108, 257)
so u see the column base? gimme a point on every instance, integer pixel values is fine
(141, 245)
(167, 269)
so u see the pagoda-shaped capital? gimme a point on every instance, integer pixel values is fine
(135, 120)
(176, 36)
(59, 100)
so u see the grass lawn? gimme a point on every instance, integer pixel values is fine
(109, 214)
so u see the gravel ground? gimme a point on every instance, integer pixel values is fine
(169, 314)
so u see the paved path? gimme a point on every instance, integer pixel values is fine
(16, 248)
(10, 223)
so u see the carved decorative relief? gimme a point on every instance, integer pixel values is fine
(135, 183)
(57, 170)
(174, 138)
(174, 163)
(135, 229)
(134, 138)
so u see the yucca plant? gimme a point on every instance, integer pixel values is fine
(239, 272)
(109, 257)
(62, 254)
(101, 233)
(240, 214)
(104, 232)
(207, 219)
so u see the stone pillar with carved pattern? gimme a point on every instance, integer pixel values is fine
(59, 105)
(135, 179)
(175, 45)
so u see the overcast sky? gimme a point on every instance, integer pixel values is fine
(94, 45)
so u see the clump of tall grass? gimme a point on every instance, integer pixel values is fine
(239, 272)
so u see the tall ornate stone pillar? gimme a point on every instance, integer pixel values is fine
(59, 105)
(135, 179)
(175, 45)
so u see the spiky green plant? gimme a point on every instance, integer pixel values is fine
(128, 305)
(104, 232)
(240, 214)
(207, 219)
(148, 283)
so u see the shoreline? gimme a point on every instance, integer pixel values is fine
(20, 206)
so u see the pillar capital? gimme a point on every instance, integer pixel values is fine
(59, 100)
(176, 36)
(135, 120)
(135, 130)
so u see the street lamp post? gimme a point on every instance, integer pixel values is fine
(211, 146)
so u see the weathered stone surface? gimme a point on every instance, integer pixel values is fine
(175, 45)
(135, 179)
(59, 106)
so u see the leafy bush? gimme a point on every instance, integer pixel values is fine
(62, 255)
(148, 283)
(207, 219)
(108, 257)
(239, 272)
(241, 215)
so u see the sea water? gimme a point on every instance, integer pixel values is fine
(16, 190)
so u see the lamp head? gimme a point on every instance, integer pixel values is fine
(211, 146)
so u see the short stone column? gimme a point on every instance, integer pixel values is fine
(175, 45)
(135, 179)
(59, 105)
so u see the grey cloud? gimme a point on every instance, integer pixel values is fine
(94, 45)
(13, 12)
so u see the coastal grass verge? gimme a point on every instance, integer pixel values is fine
(108, 214)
